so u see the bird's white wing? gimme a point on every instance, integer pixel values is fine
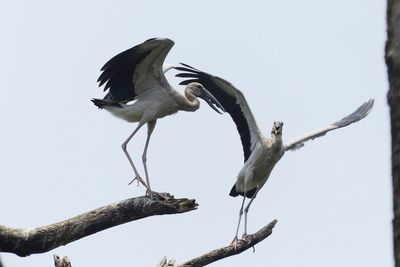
(357, 115)
(233, 102)
(136, 70)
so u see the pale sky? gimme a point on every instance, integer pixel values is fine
(306, 63)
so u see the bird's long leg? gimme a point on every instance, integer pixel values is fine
(150, 127)
(124, 144)
(155, 195)
(235, 240)
(246, 210)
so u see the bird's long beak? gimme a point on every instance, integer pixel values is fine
(211, 100)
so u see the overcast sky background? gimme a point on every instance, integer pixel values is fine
(307, 63)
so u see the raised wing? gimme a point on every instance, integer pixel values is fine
(135, 70)
(233, 102)
(360, 113)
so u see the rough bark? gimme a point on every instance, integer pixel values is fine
(42, 239)
(224, 252)
(392, 56)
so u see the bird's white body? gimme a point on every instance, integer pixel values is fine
(148, 106)
(257, 169)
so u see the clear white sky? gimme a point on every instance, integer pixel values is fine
(307, 63)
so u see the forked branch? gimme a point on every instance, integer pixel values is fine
(223, 252)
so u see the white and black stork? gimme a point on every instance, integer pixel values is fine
(138, 91)
(260, 153)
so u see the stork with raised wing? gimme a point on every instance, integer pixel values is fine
(260, 153)
(138, 91)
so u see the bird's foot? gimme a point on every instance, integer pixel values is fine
(247, 238)
(158, 196)
(235, 242)
(139, 181)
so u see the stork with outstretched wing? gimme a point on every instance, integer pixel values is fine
(261, 153)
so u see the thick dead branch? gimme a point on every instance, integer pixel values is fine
(392, 56)
(42, 239)
(224, 252)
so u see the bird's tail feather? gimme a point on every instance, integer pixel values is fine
(235, 193)
(100, 103)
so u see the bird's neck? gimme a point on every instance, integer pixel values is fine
(190, 101)
(276, 141)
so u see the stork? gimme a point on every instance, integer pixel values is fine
(138, 91)
(261, 153)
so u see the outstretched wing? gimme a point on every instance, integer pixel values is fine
(233, 102)
(135, 70)
(357, 115)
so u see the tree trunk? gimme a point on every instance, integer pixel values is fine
(392, 56)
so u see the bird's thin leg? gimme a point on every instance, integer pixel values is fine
(246, 210)
(124, 144)
(150, 127)
(235, 240)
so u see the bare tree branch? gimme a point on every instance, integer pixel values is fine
(42, 239)
(392, 55)
(224, 252)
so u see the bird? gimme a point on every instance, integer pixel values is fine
(138, 91)
(261, 153)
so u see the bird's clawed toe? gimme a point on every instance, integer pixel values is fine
(247, 238)
(139, 181)
(235, 242)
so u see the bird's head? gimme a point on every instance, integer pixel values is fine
(198, 90)
(277, 128)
